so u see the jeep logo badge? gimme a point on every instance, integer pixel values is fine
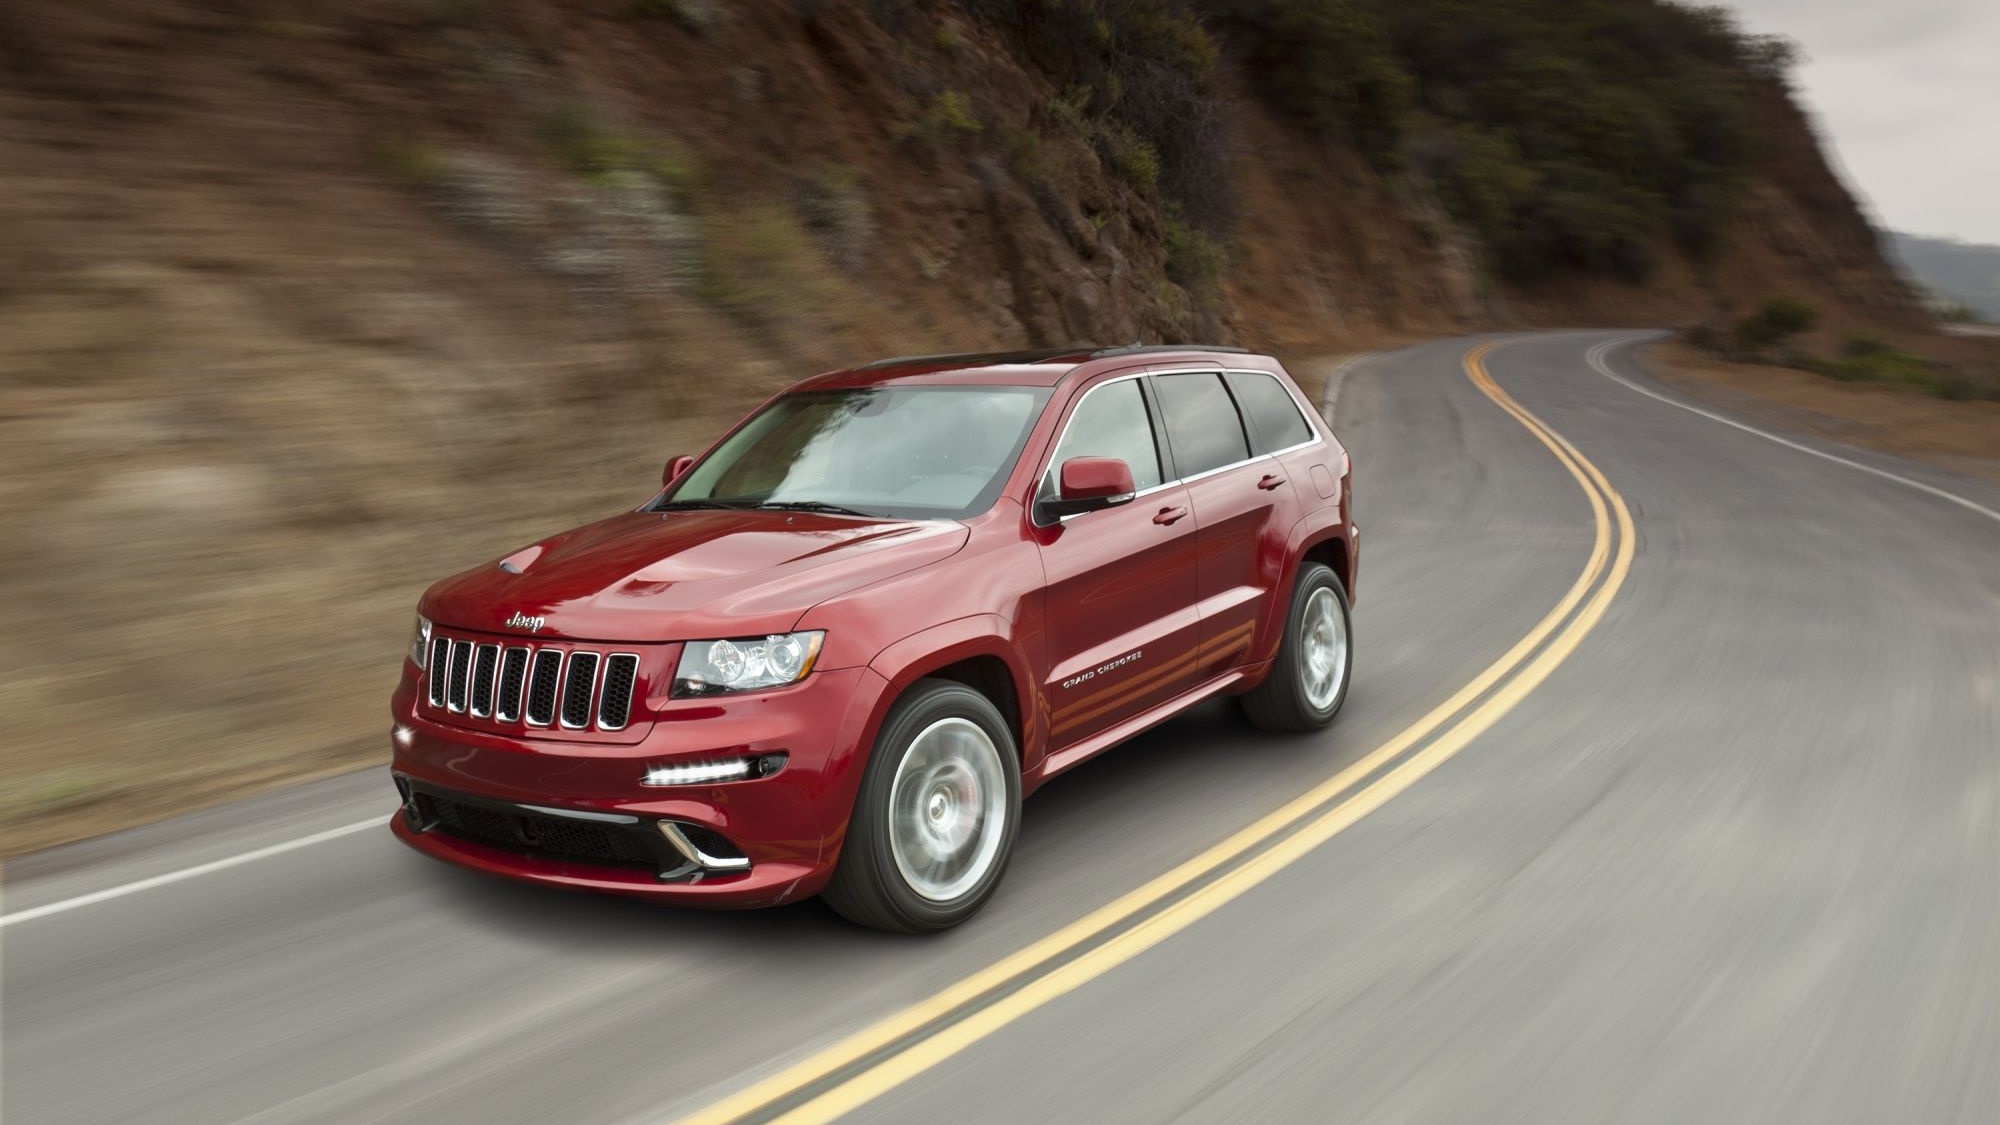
(523, 621)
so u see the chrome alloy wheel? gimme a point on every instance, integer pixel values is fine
(1322, 648)
(947, 809)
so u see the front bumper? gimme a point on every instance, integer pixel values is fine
(573, 814)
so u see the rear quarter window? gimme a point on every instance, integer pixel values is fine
(1273, 414)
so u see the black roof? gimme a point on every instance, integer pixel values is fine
(1075, 353)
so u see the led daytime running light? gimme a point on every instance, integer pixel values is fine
(694, 773)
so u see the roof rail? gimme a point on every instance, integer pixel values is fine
(1031, 355)
(1137, 349)
(1046, 355)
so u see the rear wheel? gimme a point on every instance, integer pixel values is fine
(934, 823)
(1308, 682)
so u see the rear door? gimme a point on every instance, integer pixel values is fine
(1122, 625)
(1243, 511)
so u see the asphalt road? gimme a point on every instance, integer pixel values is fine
(1732, 853)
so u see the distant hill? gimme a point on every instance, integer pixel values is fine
(1961, 271)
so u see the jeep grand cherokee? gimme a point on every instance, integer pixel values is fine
(840, 646)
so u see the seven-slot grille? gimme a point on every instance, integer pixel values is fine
(572, 689)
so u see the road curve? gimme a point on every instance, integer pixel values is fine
(1733, 855)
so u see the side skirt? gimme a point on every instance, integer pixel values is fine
(1080, 752)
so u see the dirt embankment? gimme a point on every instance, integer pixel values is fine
(1961, 436)
(302, 307)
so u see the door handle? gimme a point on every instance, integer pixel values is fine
(1270, 481)
(1169, 515)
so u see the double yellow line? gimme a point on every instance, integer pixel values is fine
(848, 1074)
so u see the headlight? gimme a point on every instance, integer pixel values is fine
(420, 642)
(716, 667)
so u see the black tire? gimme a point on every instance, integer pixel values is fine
(1282, 702)
(868, 887)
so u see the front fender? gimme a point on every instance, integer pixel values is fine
(980, 635)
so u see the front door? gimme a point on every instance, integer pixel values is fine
(1122, 624)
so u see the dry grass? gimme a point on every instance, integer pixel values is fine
(1962, 436)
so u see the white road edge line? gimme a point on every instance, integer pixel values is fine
(1596, 358)
(1331, 398)
(184, 873)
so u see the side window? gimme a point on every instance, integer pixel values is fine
(1202, 423)
(1111, 421)
(1274, 414)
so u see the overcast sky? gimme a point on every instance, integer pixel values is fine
(1908, 91)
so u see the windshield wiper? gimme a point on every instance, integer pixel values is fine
(693, 505)
(817, 506)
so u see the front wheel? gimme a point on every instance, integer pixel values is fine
(934, 823)
(1308, 682)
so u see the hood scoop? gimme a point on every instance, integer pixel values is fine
(521, 560)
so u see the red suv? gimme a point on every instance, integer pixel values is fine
(837, 650)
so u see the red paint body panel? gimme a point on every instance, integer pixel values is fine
(1085, 630)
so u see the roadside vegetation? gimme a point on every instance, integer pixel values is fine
(1565, 136)
(1775, 333)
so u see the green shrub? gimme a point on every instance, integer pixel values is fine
(1139, 82)
(1568, 135)
(950, 118)
(1023, 150)
(757, 262)
(1777, 320)
(1195, 261)
(1328, 65)
(1703, 337)
(1870, 359)
(1131, 158)
(1071, 111)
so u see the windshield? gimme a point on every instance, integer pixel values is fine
(913, 452)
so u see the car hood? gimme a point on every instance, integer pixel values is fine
(652, 576)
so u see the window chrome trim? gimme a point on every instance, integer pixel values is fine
(1284, 385)
(1160, 465)
(1317, 437)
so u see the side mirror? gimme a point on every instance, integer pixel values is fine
(1086, 484)
(675, 467)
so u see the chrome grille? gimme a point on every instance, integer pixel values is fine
(439, 665)
(484, 665)
(578, 683)
(513, 676)
(542, 688)
(614, 704)
(461, 672)
(494, 684)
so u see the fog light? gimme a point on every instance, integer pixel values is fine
(726, 769)
(404, 735)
